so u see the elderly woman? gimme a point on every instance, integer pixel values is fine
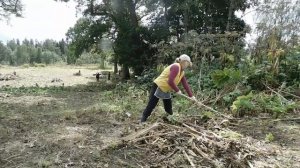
(167, 82)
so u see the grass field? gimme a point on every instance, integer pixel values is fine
(44, 75)
(67, 126)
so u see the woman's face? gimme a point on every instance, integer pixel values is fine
(185, 64)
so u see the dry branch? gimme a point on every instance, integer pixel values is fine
(188, 158)
(140, 133)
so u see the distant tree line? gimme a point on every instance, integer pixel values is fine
(16, 53)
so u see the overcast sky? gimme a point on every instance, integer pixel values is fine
(42, 19)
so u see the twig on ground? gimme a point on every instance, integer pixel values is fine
(278, 94)
(140, 133)
(168, 156)
(188, 158)
(287, 119)
(290, 94)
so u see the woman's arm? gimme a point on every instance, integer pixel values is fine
(174, 70)
(186, 86)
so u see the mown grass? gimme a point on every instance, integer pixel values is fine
(51, 133)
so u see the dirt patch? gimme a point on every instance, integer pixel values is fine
(71, 133)
(48, 76)
(286, 137)
(56, 129)
(56, 140)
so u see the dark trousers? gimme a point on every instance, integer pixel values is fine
(153, 100)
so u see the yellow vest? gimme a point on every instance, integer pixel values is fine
(162, 79)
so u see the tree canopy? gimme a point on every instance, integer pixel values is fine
(10, 7)
(136, 27)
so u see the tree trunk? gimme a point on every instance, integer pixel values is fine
(137, 44)
(165, 20)
(125, 72)
(230, 12)
(210, 22)
(165, 14)
(186, 21)
(115, 67)
(133, 16)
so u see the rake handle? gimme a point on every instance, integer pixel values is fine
(200, 104)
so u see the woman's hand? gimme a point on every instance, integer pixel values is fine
(194, 99)
(179, 92)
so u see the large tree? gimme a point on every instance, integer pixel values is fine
(124, 29)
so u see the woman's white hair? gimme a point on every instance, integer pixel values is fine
(183, 57)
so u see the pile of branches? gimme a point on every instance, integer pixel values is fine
(192, 145)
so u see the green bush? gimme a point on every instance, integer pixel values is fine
(290, 68)
(231, 96)
(226, 76)
(275, 104)
(262, 103)
(243, 105)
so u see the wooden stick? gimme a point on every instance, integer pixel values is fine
(131, 137)
(287, 119)
(278, 94)
(140, 132)
(204, 155)
(150, 136)
(168, 156)
(290, 94)
(188, 158)
(200, 104)
(192, 130)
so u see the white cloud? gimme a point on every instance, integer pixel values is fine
(42, 19)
